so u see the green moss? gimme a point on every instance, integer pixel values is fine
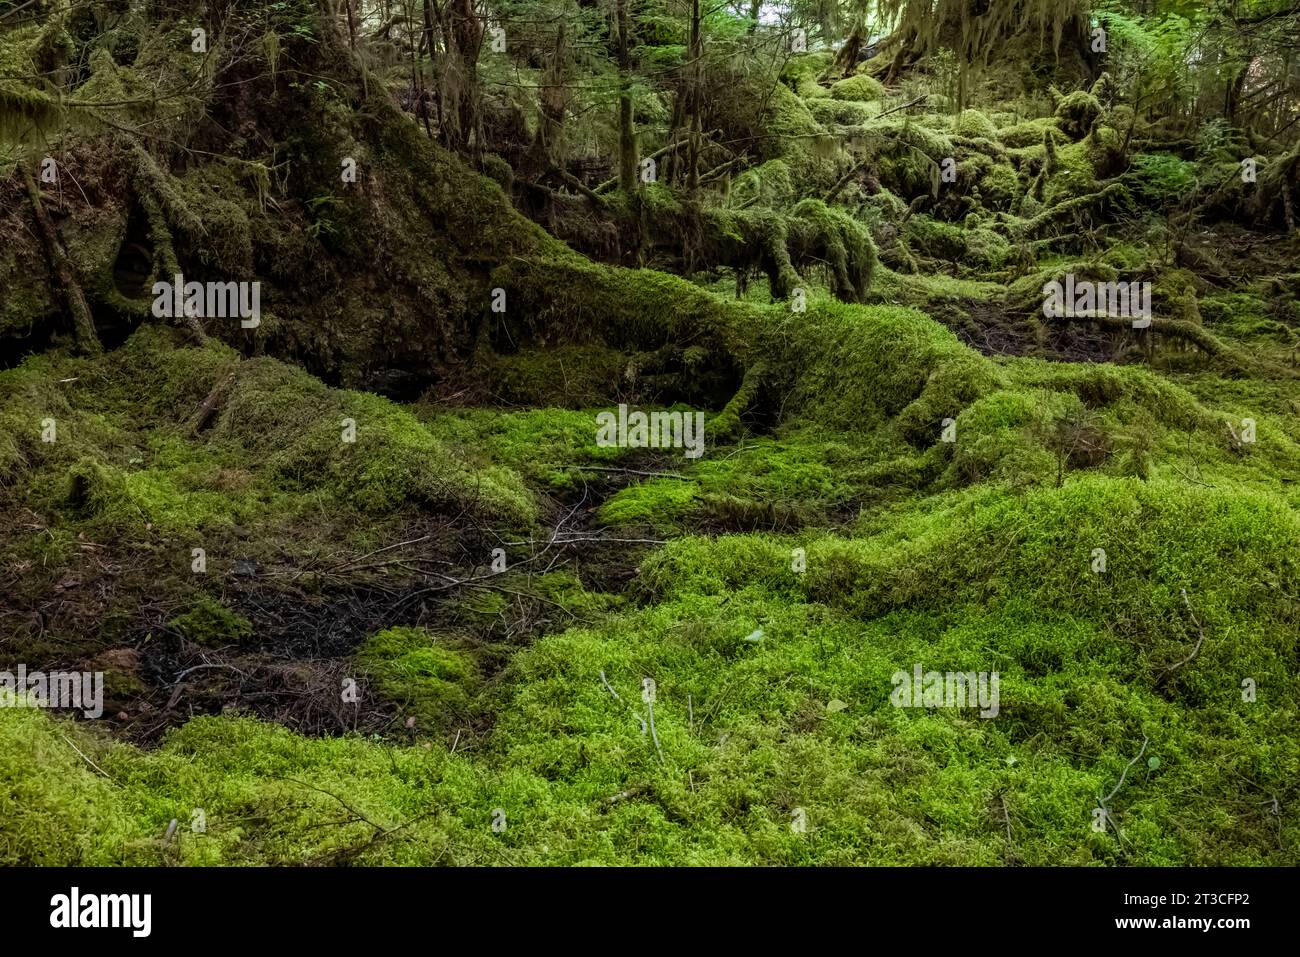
(806, 66)
(659, 504)
(428, 680)
(1030, 133)
(841, 112)
(986, 249)
(924, 288)
(769, 184)
(1076, 175)
(860, 367)
(859, 88)
(801, 141)
(974, 124)
(1077, 114)
(548, 447)
(999, 186)
(810, 91)
(55, 810)
(499, 170)
(869, 545)
(839, 241)
(1245, 315)
(208, 622)
(973, 580)
(369, 453)
(935, 238)
(1004, 437)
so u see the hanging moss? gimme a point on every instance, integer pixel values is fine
(26, 114)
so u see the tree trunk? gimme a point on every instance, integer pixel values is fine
(466, 34)
(693, 101)
(627, 158)
(1232, 104)
(846, 61)
(83, 325)
(552, 106)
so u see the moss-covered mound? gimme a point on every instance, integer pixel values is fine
(369, 581)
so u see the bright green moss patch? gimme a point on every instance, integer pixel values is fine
(369, 453)
(564, 377)
(841, 112)
(276, 435)
(861, 88)
(859, 367)
(658, 503)
(426, 679)
(545, 446)
(55, 809)
(1247, 316)
(1005, 436)
(804, 477)
(1029, 133)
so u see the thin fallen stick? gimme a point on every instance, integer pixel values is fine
(1102, 802)
(610, 687)
(654, 737)
(84, 758)
(386, 548)
(577, 539)
(1189, 478)
(1124, 773)
(208, 408)
(205, 667)
(597, 468)
(1199, 641)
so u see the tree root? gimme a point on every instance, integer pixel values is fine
(1232, 359)
(1070, 207)
(726, 425)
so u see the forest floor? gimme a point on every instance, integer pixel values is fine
(450, 627)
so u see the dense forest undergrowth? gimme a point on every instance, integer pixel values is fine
(365, 585)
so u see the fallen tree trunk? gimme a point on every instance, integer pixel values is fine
(1232, 359)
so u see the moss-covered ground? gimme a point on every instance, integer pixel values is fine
(442, 625)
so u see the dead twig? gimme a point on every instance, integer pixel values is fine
(86, 759)
(599, 468)
(609, 687)
(1102, 802)
(1195, 651)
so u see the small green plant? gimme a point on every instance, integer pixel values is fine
(320, 208)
